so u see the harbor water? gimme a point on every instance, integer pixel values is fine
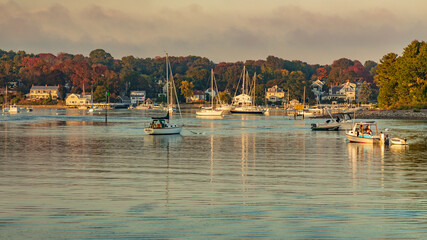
(73, 176)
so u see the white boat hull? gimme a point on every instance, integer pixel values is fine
(356, 139)
(398, 141)
(163, 131)
(207, 112)
(325, 127)
(247, 110)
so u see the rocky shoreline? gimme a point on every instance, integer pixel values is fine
(392, 114)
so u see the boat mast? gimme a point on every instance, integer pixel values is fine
(253, 98)
(244, 76)
(167, 81)
(212, 98)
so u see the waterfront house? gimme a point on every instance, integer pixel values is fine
(75, 99)
(43, 92)
(198, 96)
(137, 97)
(346, 92)
(275, 94)
(317, 88)
(124, 99)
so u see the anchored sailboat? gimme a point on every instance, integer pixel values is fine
(161, 125)
(210, 111)
(244, 103)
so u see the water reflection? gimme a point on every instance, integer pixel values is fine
(246, 177)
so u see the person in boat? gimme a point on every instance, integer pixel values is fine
(368, 130)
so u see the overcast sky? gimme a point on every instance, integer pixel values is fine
(314, 31)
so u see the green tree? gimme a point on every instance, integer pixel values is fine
(365, 92)
(100, 56)
(99, 94)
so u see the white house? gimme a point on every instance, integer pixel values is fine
(317, 88)
(137, 97)
(346, 91)
(75, 99)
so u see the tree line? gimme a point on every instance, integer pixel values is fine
(100, 72)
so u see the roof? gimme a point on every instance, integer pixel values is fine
(124, 97)
(198, 92)
(44, 88)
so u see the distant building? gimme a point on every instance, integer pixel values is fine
(198, 96)
(346, 91)
(137, 97)
(317, 88)
(275, 94)
(124, 99)
(43, 92)
(75, 99)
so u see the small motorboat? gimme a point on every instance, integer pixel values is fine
(362, 133)
(329, 125)
(398, 141)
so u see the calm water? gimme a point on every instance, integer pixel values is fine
(74, 177)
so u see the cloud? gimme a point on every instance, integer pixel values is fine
(288, 31)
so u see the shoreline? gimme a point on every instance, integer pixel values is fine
(363, 114)
(393, 114)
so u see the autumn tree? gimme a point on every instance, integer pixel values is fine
(186, 89)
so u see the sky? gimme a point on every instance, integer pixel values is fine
(313, 31)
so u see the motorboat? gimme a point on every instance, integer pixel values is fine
(398, 141)
(329, 125)
(364, 132)
(13, 109)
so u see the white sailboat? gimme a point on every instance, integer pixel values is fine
(161, 125)
(210, 111)
(244, 103)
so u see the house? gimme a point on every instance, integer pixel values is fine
(275, 94)
(346, 91)
(137, 97)
(123, 99)
(43, 92)
(349, 90)
(75, 99)
(198, 96)
(317, 88)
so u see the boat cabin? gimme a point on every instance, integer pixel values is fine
(159, 123)
(365, 129)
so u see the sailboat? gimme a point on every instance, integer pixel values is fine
(161, 125)
(210, 111)
(244, 103)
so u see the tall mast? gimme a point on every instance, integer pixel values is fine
(167, 80)
(244, 76)
(212, 98)
(247, 84)
(253, 98)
